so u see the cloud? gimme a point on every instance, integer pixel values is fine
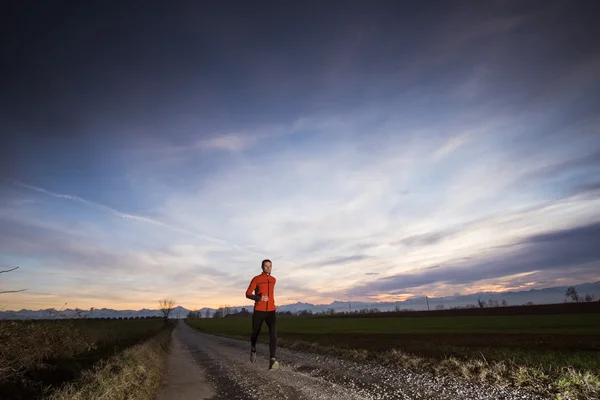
(354, 148)
(81, 267)
(65, 251)
(90, 203)
(553, 169)
(230, 142)
(124, 215)
(319, 245)
(425, 239)
(450, 146)
(591, 188)
(321, 201)
(572, 237)
(343, 260)
(558, 250)
(325, 199)
(175, 153)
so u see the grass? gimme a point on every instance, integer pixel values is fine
(37, 357)
(556, 355)
(520, 324)
(136, 373)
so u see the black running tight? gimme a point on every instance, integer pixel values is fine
(270, 318)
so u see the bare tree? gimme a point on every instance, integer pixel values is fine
(9, 270)
(572, 294)
(480, 303)
(166, 306)
(493, 303)
(589, 298)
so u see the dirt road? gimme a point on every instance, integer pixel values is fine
(204, 366)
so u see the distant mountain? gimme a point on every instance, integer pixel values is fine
(179, 311)
(537, 296)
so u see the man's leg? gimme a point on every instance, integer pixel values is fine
(257, 319)
(271, 321)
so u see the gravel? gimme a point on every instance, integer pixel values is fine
(309, 376)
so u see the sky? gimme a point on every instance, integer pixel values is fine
(374, 151)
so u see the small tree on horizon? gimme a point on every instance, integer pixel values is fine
(166, 306)
(589, 298)
(572, 294)
(493, 303)
(480, 303)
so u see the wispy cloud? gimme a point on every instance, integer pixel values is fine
(450, 146)
(230, 142)
(341, 260)
(325, 203)
(563, 249)
(124, 215)
(424, 239)
(79, 266)
(165, 151)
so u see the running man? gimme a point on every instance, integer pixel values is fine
(261, 291)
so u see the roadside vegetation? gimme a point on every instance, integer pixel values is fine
(82, 358)
(136, 373)
(554, 355)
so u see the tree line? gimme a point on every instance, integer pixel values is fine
(225, 311)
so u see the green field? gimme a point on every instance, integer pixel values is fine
(586, 324)
(552, 354)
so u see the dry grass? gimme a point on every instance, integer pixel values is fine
(558, 383)
(26, 345)
(136, 373)
(36, 357)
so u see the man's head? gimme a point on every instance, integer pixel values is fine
(266, 266)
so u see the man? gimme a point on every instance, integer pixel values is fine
(261, 291)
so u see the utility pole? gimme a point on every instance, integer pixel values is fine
(427, 298)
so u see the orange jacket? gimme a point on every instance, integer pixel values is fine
(262, 285)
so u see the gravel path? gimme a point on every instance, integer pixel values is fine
(225, 365)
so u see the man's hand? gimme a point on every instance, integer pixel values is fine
(264, 298)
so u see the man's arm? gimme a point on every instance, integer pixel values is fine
(249, 291)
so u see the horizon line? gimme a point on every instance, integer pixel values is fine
(312, 304)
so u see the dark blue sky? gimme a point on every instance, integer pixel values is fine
(327, 134)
